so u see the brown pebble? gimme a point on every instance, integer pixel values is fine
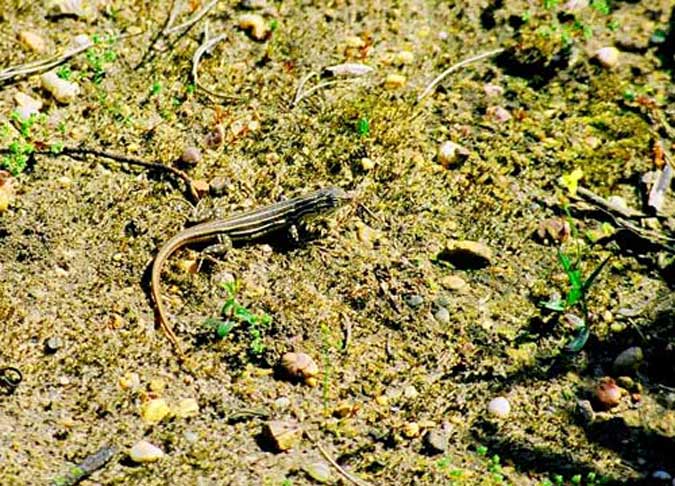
(191, 156)
(607, 393)
(218, 186)
(282, 435)
(201, 186)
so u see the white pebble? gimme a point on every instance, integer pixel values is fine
(661, 475)
(64, 91)
(144, 451)
(255, 25)
(450, 153)
(608, 57)
(499, 407)
(348, 69)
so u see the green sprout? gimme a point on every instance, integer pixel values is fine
(234, 314)
(577, 293)
(64, 72)
(99, 55)
(155, 88)
(363, 127)
(15, 162)
(481, 450)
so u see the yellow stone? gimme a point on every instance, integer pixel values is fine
(394, 81)
(187, 407)
(155, 410)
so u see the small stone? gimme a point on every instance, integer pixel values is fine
(607, 393)
(366, 235)
(367, 164)
(348, 69)
(404, 57)
(442, 315)
(410, 392)
(157, 385)
(53, 344)
(414, 300)
(26, 105)
(319, 471)
(33, 41)
(394, 81)
(451, 153)
(411, 430)
(215, 137)
(453, 282)
(253, 4)
(628, 360)
(299, 366)
(493, 90)
(144, 451)
(555, 230)
(498, 114)
(201, 186)
(608, 57)
(63, 91)
(436, 441)
(190, 436)
(191, 156)
(282, 435)
(7, 192)
(661, 475)
(282, 403)
(499, 407)
(585, 412)
(130, 381)
(467, 254)
(153, 411)
(187, 407)
(346, 409)
(218, 186)
(255, 25)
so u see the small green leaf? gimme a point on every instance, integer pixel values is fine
(579, 341)
(363, 127)
(224, 329)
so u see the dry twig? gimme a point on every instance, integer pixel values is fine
(349, 477)
(430, 87)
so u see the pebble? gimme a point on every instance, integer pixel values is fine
(26, 105)
(63, 91)
(348, 69)
(157, 385)
(411, 430)
(255, 25)
(628, 360)
(367, 164)
(53, 344)
(436, 441)
(282, 435)
(201, 186)
(493, 90)
(404, 57)
(453, 282)
(572, 6)
(187, 407)
(414, 300)
(661, 475)
(608, 57)
(153, 411)
(607, 393)
(498, 114)
(130, 381)
(282, 403)
(442, 315)
(191, 156)
(585, 412)
(467, 254)
(33, 41)
(144, 451)
(7, 192)
(451, 153)
(394, 81)
(215, 137)
(499, 407)
(410, 392)
(218, 186)
(319, 471)
(300, 366)
(554, 229)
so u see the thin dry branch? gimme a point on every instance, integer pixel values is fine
(197, 56)
(349, 477)
(432, 85)
(80, 153)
